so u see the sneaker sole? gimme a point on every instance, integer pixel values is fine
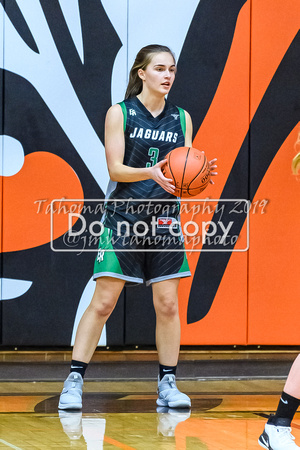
(73, 406)
(179, 404)
(263, 445)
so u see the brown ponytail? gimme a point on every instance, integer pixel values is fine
(143, 58)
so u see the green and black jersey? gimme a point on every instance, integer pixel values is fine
(148, 140)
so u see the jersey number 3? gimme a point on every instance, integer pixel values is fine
(153, 153)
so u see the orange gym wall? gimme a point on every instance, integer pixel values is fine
(273, 305)
(41, 291)
(222, 134)
(259, 288)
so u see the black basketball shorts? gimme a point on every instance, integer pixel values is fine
(138, 259)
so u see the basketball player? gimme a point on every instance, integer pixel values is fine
(277, 433)
(139, 132)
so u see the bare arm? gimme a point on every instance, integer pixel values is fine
(115, 149)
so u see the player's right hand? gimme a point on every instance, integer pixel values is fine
(166, 183)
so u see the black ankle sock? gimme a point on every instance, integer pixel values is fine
(78, 366)
(166, 370)
(287, 407)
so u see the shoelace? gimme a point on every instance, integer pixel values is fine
(75, 381)
(285, 435)
(172, 384)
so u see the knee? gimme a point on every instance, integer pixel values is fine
(105, 297)
(102, 308)
(166, 307)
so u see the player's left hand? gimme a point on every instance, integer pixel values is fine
(212, 166)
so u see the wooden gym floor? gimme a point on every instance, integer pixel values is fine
(229, 410)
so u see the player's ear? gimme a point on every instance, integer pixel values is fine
(141, 74)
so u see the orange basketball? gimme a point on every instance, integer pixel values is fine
(189, 169)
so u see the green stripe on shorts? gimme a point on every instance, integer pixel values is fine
(185, 265)
(106, 261)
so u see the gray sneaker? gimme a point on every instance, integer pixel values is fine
(70, 398)
(169, 395)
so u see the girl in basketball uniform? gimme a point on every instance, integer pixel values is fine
(277, 433)
(139, 132)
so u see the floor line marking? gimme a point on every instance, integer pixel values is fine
(9, 445)
(118, 444)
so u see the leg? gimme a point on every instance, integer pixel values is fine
(292, 385)
(90, 327)
(277, 432)
(105, 297)
(165, 299)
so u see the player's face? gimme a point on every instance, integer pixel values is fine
(159, 75)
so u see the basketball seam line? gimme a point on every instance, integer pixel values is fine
(190, 189)
(169, 164)
(186, 158)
